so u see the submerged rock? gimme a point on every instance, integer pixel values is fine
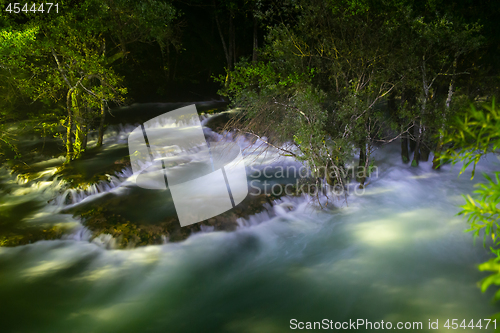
(104, 219)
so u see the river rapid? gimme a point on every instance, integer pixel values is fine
(397, 253)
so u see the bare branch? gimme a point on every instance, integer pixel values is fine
(268, 143)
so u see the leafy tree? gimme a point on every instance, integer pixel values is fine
(361, 54)
(435, 45)
(70, 57)
(9, 42)
(335, 66)
(75, 53)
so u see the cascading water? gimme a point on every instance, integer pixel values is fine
(395, 253)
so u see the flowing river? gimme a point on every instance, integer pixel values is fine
(397, 253)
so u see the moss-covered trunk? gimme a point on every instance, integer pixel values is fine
(69, 131)
(101, 124)
(80, 127)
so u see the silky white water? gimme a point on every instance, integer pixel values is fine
(396, 253)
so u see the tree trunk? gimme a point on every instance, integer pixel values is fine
(101, 124)
(231, 41)
(80, 139)
(165, 64)
(405, 155)
(175, 65)
(168, 63)
(226, 52)
(255, 44)
(416, 154)
(421, 127)
(362, 156)
(362, 165)
(85, 138)
(437, 153)
(424, 153)
(413, 143)
(79, 121)
(69, 132)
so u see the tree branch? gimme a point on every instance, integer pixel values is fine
(268, 143)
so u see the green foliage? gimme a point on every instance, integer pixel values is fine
(31, 235)
(492, 265)
(474, 136)
(7, 143)
(354, 58)
(483, 213)
(286, 107)
(318, 81)
(68, 59)
(15, 42)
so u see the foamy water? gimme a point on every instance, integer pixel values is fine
(396, 253)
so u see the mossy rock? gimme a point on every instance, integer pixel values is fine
(102, 220)
(76, 178)
(30, 235)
